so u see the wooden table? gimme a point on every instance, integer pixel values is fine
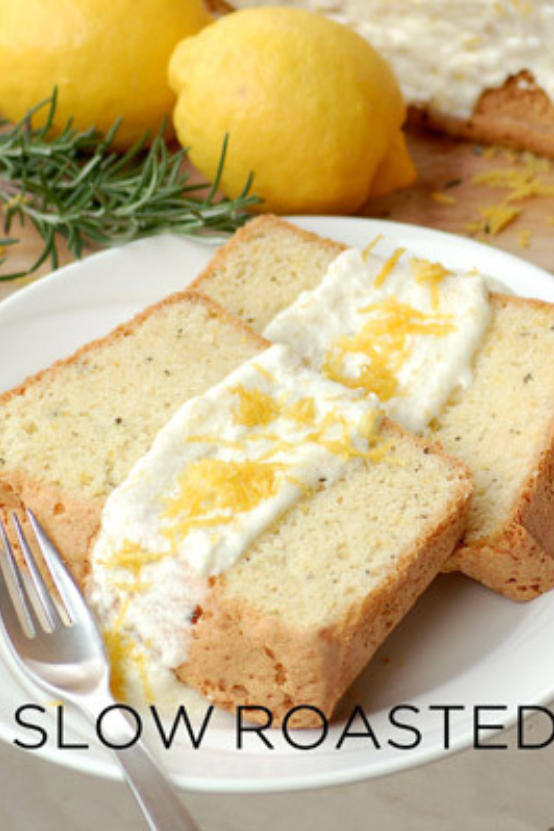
(444, 167)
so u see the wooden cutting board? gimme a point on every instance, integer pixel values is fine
(446, 168)
(444, 197)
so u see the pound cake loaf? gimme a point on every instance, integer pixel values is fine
(502, 426)
(70, 435)
(296, 619)
(477, 69)
(301, 613)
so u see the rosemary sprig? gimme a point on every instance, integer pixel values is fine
(4, 242)
(73, 185)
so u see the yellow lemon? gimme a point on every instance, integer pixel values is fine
(396, 170)
(108, 58)
(310, 108)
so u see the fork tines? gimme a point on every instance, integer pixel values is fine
(28, 590)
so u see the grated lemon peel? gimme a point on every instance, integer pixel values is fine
(523, 181)
(384, 341)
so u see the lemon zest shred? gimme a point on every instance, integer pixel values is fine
(383, 339)
(524, 238)
(265, 373)
(305, 489)
(427, 273)
(133, 558)
(140, 662)
(443, 198)
(388, 267)
(117, 647)
(302, 411)
(371, 246)
(257, 408)
(343, 446)
(132, 588)
(524, 181)
(122, 614)
(211, 491)
(278, 446)
(123, 651)
(490, 152)
(494, 218)
(254, 408)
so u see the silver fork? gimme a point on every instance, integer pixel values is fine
(68, 659)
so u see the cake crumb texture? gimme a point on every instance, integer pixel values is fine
(70, 434)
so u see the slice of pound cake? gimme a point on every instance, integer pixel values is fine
(301, 613)
(70, 435)
(277, 572)
(502, 425)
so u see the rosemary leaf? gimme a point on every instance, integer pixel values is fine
(73, 186)
(4, 242)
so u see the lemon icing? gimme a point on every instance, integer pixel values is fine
(403, 328)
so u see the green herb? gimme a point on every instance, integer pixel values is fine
(453, 183)
(73, 185)
(4, 242)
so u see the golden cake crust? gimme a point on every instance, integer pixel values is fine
(518, 114)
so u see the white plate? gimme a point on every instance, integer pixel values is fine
(461, 645)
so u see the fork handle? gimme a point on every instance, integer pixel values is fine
(152, 789)
(156, 796)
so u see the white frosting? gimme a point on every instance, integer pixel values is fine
(447, 53)
(158, 620)
(435, 365)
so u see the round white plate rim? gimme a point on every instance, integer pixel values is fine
(353, 231)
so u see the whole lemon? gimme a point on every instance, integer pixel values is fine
(108, 58)
(310, 108)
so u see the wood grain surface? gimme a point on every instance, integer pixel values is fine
(441, 162)
(444, 197)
